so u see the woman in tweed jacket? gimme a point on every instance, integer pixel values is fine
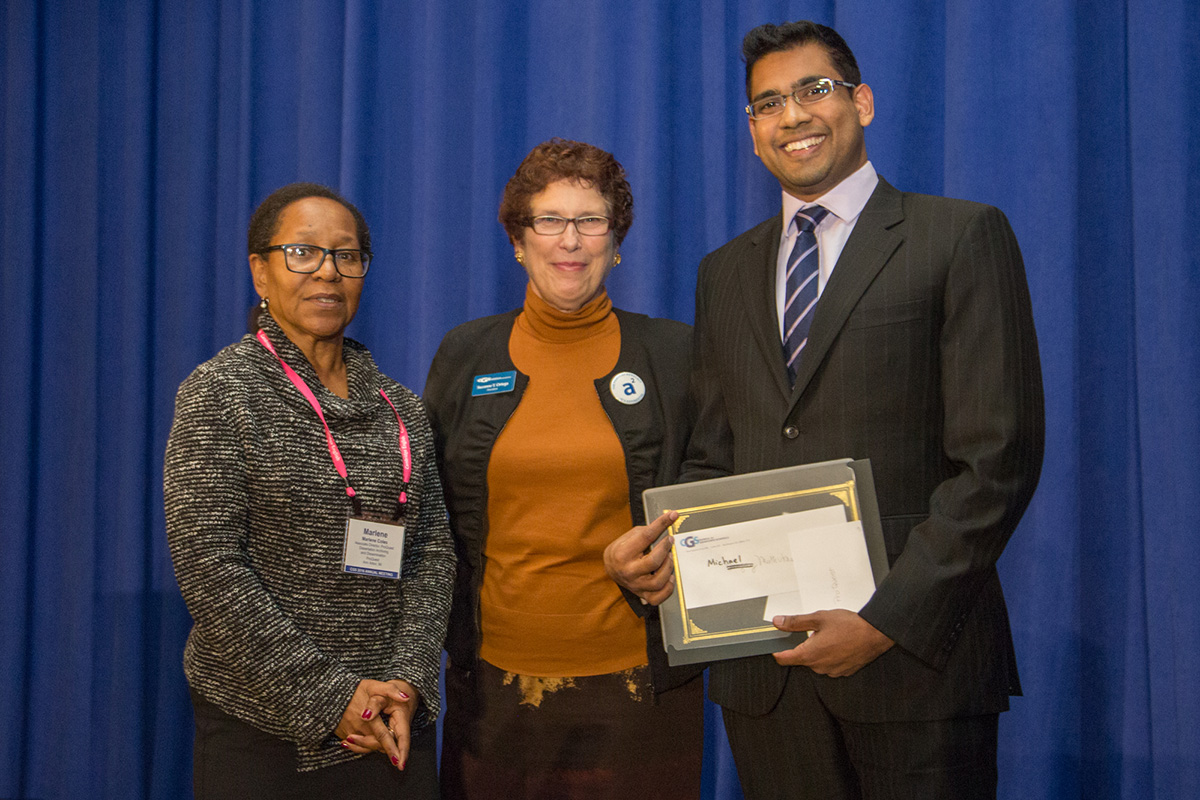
(299, 669)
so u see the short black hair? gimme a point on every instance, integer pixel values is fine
(766, 39)
(264, 223)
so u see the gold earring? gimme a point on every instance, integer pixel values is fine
(520, 258)
(617, 260)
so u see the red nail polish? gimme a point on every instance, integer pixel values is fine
(367, 714)
(350, 739)
(347, 746)
(402, 694)
(395, 761)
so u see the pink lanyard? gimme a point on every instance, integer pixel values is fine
(334, 453)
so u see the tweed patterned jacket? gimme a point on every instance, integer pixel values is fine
(256, 517)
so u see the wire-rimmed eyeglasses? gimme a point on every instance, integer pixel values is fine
(809, 93)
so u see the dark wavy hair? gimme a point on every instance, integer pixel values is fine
(264, 224)
(766, 39)
(563, 159)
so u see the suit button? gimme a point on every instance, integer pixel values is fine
(791, 431)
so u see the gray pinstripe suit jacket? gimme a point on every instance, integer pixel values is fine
(922, 357)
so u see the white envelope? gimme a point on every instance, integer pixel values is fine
(832, 570)
(746, 559)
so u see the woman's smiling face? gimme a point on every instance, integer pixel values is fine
(567, 269)
(318, 305)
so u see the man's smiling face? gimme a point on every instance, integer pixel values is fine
(809, 148)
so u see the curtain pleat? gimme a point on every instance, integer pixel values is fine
(138, 137)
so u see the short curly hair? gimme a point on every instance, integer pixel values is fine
(563, 159)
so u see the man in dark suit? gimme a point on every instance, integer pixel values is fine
(920, 355)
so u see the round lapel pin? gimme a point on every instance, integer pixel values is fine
(627, 388)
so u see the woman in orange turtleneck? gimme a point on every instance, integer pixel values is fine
(550, 421)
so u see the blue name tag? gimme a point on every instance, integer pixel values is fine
(496, 383)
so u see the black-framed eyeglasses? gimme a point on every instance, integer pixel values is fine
(809, 93)
(591, 225)
(307, 258)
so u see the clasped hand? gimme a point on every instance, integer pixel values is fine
(379, 718)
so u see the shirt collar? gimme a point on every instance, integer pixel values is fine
(845, 201)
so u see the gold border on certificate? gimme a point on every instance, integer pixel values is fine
(844, 492)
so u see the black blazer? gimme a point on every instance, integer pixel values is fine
(653, 435)
(922, 357)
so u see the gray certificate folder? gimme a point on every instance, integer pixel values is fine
(735, 629)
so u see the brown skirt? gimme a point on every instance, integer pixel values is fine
(605, 736)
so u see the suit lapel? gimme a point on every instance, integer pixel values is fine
(757, 283)
(866, 252)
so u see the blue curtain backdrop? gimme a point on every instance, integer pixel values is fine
(138, 136)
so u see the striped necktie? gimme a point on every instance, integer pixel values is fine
(801, 286)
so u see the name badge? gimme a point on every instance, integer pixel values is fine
(495, 383)
(373, 547)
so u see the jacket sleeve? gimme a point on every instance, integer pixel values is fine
(993, 439)
(435, 396)
(300, 691)
(710, 447)
(428, 575)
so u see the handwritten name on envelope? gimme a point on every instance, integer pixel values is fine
(746, 559)
(832, 568)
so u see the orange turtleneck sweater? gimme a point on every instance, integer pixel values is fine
(557, 495)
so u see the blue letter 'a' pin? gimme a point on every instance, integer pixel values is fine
(495, 383)
(627, 388)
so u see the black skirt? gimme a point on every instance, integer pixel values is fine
(233, 760)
